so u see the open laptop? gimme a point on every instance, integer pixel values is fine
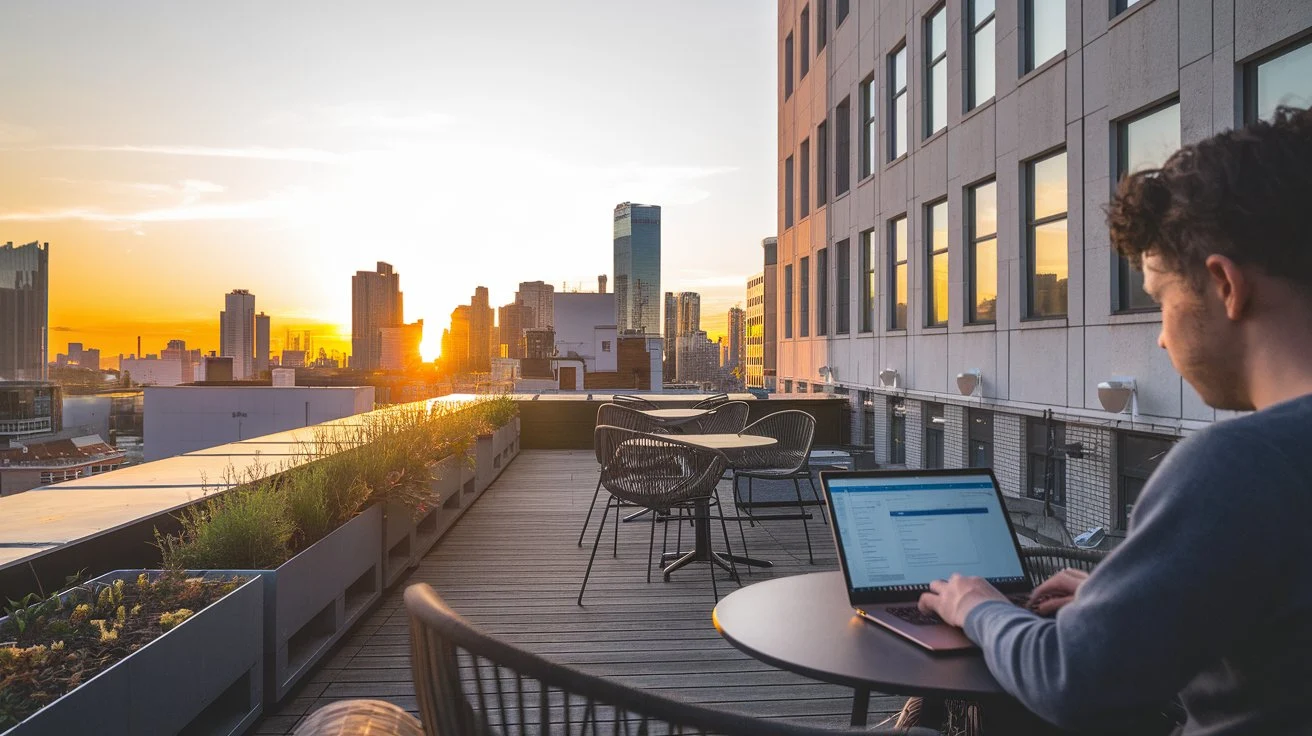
(896, 530)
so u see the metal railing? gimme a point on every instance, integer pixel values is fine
(26, 426)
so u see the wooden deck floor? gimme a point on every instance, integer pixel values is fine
(511, 565)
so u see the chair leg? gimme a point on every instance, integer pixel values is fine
(709, 563)
(749, 500)
(824, 515)
(802, 510)
(595, 543)
(591, 506)
(651, 543)
(733, 566)
(615, 546)
(738, 512)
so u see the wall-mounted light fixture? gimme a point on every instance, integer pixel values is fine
(969, 382)
(1118, 394)
(888, 378)
(827, 373)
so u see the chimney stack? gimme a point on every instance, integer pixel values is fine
(601, 284)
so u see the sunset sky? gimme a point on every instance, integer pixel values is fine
(171, 152)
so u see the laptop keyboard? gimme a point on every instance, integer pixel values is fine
(912, 615)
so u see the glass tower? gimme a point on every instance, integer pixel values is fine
(24, 306)
(638, 269)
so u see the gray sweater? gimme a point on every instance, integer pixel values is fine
(1209, 596)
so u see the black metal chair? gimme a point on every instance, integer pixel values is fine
(710, 402)
(616, 415)
(660, 473)
(471, 684)
(634, 402)
(727, 418)
(787, 459)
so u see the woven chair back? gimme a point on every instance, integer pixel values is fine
(727, 418)
(656, 472)
(615, 415)
(794, 433)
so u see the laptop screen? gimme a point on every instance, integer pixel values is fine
(899, 532)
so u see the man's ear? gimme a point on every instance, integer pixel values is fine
(1231, 286)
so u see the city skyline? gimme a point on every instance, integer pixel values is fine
(321, 163)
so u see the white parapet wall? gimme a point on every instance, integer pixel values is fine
(182, 419)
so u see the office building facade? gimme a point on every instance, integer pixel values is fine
(481, 317)
(237, 333)
(400, 346)
(24, 311)
(512, 320)
(537, 296)
(736, 331)
(376, 302)
(261, 344)
(944, 259)
(638, 269)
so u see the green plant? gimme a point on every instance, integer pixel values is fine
(320, 497)
(244, 529)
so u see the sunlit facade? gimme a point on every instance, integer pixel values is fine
(24, 310)
(376, 302)
(237, 333)
(638, 269)
(943, 253)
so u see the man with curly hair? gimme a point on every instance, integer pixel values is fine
(1210, 595)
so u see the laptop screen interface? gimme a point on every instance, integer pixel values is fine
(899, 533)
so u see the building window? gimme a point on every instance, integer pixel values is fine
(840, 12)
(936, 262)
(1046, 236)
(788, 386)
(788, 301)
(822, 292)
(897, 432)
(897, 287)
(804, 174)
(788, 66)
(1144, 142)
(867, 418)
(801, 387)
(868, 281)
(936, 62)
(897, 102)
(869, 133)
(982, 200)
(842, 315)
(1124, 5)
(821, 163)
(1040, 448)
(804, 300)
(805, 29)
(979, 436)
(843, 146)
(1282, 78)
(788, 192)
(934, 422)
(605, 346)
(981, 47)
(1137, 456)
(1045, 31)
(821, 25)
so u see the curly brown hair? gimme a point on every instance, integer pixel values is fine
(1245, 194)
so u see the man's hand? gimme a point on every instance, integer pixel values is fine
(953, 599)
(1058, 590)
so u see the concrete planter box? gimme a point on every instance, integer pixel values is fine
(504, 443)
(202, 676)
(487, 466)
(398, 541)
(446, 485)
(468, 486)
(311, 600)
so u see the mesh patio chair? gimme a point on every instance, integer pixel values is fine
(635, 402)
(470, 684)
(727, 418)
(616, 415)
(659, 473)
(787, 459)
(964, 716)
(710, 402)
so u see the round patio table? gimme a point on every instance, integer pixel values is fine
(674, 414)
(804, 624)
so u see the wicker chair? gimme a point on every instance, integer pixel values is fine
(616, 415)
(659, 473)
(634, 402)
(787, 459)
(727, 418)
(471, 684)
(1041, 563)
(710, 402)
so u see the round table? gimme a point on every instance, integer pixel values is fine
(804, 624)
(725, 442)
(674, 413)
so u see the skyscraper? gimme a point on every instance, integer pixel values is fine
(376, 302)
(689, 317)
(261, 343)
(24, 311)
(736, 330)
(537, 295)
(671, 333)
(237, 333)
(455, 341)
(512, 320)
(637, 268)
(400, 346)
(480, 331)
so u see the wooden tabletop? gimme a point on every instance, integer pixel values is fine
(725, 441)
(674, 413)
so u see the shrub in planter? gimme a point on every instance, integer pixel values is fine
(103, 650)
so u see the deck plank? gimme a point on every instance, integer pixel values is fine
(511, 566)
